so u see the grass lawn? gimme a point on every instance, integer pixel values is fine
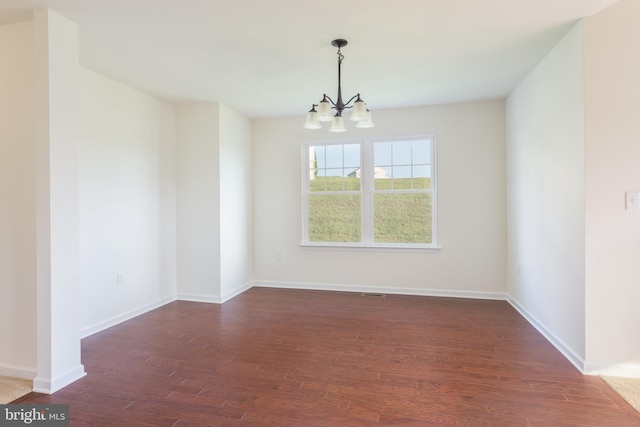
(398, 218)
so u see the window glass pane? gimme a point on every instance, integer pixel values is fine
(382, 153)
(421, 152)
(422, 177)
(402, 184)
(334, 156)
(401, 177)
(402, 218)
(421, 183)
(352, 156)
(334, 179)
(422, 171)
(352, 183)
(317, 183)
(334, 218)
(401, 172)
(382, 179)
(381, 173)
(402, 153)
(334, 172)
(317, 156)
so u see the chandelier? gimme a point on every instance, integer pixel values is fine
(329, 111)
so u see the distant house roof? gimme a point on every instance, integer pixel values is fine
(378, 172)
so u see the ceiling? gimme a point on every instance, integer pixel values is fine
(268, 58)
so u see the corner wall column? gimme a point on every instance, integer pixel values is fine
(57, 226)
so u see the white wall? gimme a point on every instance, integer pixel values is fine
(214, 202)
(198, 202)
(17, 202)
(235, 202)
(612, 151)
(471, 208)
(545, 181)
(127, 201)
(87, 179)
(57, 251)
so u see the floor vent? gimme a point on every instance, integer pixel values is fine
(372, 294)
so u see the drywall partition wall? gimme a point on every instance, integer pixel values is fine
(198, 202)
(214, 202)
(471, 208)
(127, 201)
(58, 302)
(17, 202)
(235, 202)
(545, 182)
(612, 150)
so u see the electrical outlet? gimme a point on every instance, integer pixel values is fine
(278, 256)
(120, 278)
(633, 200)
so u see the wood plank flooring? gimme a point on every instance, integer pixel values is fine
(276, 357)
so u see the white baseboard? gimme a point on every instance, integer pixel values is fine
(384, 290)
(210, 299)
(628, 370)
(214, 299)
(566, 351)
(235, 292)
(16, 371)
(48, 385)
(108, 323)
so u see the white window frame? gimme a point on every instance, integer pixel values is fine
(367, 191)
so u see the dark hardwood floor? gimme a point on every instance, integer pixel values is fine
(275, 357)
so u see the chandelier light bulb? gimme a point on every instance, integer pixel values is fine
(312, 119)
(324, 110)
(365, 121)
(337, 124)
(359, 110)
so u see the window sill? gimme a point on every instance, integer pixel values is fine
(369, 248)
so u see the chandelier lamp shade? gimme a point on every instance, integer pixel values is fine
(330, 111)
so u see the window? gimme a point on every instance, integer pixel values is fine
(378, 192)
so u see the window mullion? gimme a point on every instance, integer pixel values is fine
(367, 194)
